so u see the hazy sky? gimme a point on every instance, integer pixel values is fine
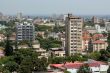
(80, 7)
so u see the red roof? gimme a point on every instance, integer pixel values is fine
(73, 66)
(99, 42)
(77, 65)
(56, 65)
(97, 36)
(94, 64)
(100, 62)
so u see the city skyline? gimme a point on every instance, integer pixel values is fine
(46, 7)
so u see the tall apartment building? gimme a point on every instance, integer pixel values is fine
(73, 41)
(25, 31)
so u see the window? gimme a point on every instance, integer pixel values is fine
(71, 30)
(71, 27)
(71, 40)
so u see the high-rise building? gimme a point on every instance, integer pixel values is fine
(19, 16)
(95, 20)
(1, 15)
(73, 35)
(25, 31)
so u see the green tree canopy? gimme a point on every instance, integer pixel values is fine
(84, 69)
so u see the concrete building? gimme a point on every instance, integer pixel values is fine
(58, 52)
(95, 20)
(107, 26)
(42, 53)
(100, 29)
(73, 42)
(99, 45)
(91, 29)
(25, 31)
(19, 16)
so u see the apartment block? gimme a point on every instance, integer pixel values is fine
(25, 31)
(73, 35)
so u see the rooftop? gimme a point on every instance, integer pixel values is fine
(99, 42)
(77, 65)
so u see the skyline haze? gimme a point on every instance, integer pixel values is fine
(46, 7)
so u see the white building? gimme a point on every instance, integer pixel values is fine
(107, 26)
(100, 29)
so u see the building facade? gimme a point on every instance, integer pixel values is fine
(99, 45)
(73, 35)
(107, 26)
(25, 31)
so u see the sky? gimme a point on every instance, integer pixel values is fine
(42, 7)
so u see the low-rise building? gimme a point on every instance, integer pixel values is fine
(99, 45)
(22, 46)
(91, 29)
(100, 29)
(58, 52)
(95, 66)
(12, 37)
(42, 53)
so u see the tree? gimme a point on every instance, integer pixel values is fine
(21, 54)
(11, 66)
(108, 71)
(104, 33)
(66, 71)
(40, 65)
(26, 66)
(1, 68)
(84, 69)
(104, 55)
(57, 60)
(90, 46)
(95, 55)
(43, 28)
(8, 48)
(108, 41)
(48, 43)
